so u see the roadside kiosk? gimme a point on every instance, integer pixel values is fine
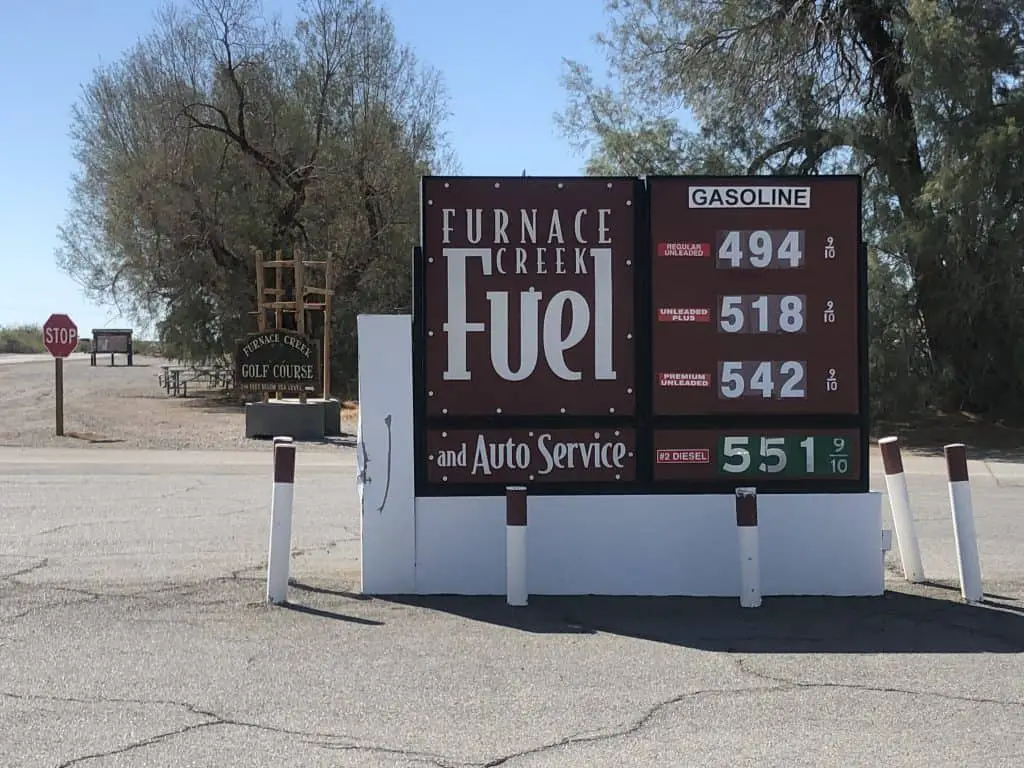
(112, 341)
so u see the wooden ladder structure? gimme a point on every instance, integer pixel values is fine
(294, 301)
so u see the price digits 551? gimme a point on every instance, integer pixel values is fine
(791, 455)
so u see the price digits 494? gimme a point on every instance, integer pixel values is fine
(791, 455)
(760, 249)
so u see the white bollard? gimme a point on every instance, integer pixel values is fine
(968, 561)
(281, 520)
(515, 545)
(750, 565)
(902, 516)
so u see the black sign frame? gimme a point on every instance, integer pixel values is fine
(643, 421)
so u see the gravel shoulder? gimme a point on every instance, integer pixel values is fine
(121, 407)
(125, 407)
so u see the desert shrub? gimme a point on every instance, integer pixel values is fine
(21, 339)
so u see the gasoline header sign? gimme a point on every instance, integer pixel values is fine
(739, 196)
(528, 296)
(277, 360)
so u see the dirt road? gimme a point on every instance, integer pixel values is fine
(116, 406)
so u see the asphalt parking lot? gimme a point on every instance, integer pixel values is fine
(133, 632)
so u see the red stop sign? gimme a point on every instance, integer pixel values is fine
(60, 335)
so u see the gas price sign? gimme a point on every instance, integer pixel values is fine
(757, 454)
(755, 295)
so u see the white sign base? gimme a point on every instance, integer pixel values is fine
(642, 545)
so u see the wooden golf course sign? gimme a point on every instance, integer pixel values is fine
(277, 361)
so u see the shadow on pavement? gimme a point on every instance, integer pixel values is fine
(894, 623)
(93, 438)
(954, 588)
(325, 614)
(292, 583)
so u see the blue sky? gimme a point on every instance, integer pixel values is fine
(493, 53)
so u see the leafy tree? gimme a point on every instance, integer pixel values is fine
(922, 97)
(221, 133)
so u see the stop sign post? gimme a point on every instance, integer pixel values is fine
(60, 337)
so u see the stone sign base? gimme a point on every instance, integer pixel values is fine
(287, 417)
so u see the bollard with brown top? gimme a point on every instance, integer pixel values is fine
(516, 591)
(281, 498)
(961, 505)
(750, 566)
(899, 503)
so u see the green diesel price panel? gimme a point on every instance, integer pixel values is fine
(756, 295)
(754, 454)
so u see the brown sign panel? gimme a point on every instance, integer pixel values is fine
(528, 306)
(755, 295)
(751, 455)
(498, 456)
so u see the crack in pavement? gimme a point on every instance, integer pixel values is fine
(427, 758)
(45, 606)
(744, 666)
(188, 489)
(65, 527)
(134, 520)
(180, 590)
(939, 616)
(185, 586)
(326, 547)
(25, 571)
(138, 744)
(341, 742)
(213, 719)
(992, 474)
(628, 729)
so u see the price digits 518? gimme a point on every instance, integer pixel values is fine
(761, 314)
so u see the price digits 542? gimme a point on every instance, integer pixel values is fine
(791, 455)
(766, 379)
(760, 249)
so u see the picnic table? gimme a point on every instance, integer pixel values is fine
(175, 379)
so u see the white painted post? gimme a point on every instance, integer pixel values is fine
(385, 455)
(281, 520)
(968, 561)
(750, 565)
(516, 592)
(902, 516)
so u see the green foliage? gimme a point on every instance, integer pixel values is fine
(222, 133)
(21, 339)
(28, 339)
(921, 97)
(903, 378)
